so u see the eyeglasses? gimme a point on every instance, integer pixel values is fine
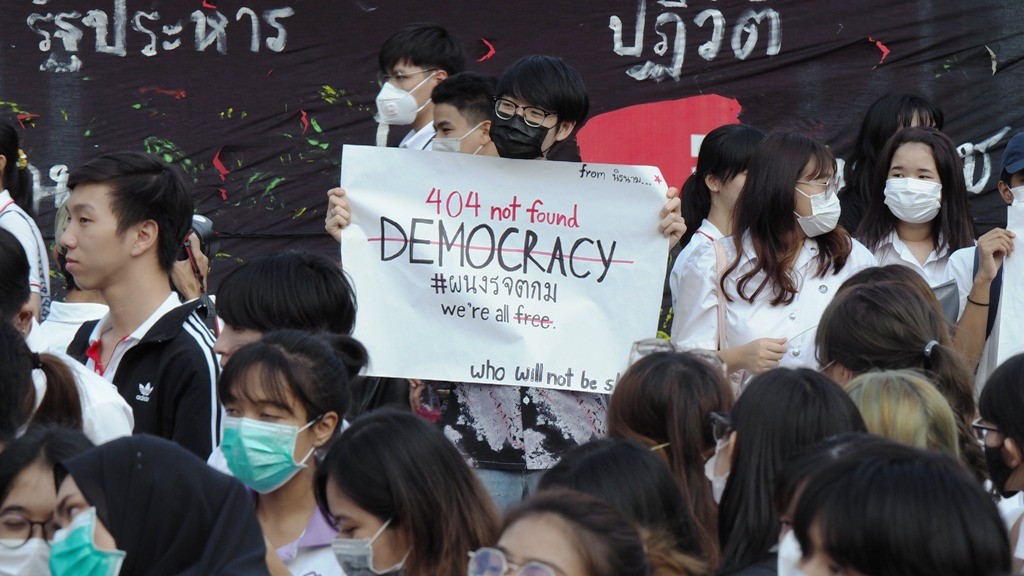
(400, 77)
(721, 426)
(506, 109)
(831, 185)
(649, 346)
(981, 428)
(493, 562)
(17, 529)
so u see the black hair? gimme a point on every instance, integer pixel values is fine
(423, 44)
(49, 444)
(724, 154)
(14, 270)
(885, 117)
(16, 179)
(952, 227)
(395, 465)
(547, 82)
(781, 412)
(470, 93)
(892, 510)
(143, 187)
(634, 481)
(1002, 398)
(316, 368)
(61, 403)
(606, 542)
(297, 290)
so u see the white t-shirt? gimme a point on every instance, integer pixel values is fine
(894, 251)
(961, 269)
(706, 234)
(105, 414)
(65, 319)
(18, 222)
(695, 321)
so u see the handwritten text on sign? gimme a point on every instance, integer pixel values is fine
(516, 272)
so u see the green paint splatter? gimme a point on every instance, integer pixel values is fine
(171, 153)
(316, 126)
(137, 106)
(299, 213)
(88, 133)
(317, 143)
(64, 114)
(329, 94)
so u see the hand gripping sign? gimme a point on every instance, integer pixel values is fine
(516, 272)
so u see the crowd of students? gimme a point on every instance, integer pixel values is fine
(828, 401)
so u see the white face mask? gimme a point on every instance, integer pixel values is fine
(913, 201)
(825, 212)
(32, 557)
(398, 107)
(717, 482)
(1018, 195)
(453, 144)
(790, 555)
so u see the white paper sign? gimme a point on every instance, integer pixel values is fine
(515, 272)
(1011, 297)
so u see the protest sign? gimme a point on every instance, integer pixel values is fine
(515, 272)
(1011, 300)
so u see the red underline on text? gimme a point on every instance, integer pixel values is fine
(583, 258)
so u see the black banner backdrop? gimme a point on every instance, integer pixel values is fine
(255, 99)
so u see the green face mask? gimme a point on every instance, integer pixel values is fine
(74, 550)
(260, 454)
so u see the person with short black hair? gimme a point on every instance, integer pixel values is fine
(463, 105)
(888, 510)
(130, 213)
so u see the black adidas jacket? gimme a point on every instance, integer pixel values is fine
(169, 379)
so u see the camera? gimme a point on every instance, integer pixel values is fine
(208, 243)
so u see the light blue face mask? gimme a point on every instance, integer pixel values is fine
(74, 551)
(260, 454)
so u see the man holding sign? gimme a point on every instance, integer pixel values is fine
(553, 283)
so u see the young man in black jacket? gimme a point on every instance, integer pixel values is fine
(129, 214)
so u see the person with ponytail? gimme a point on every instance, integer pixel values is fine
(890, 326)
(61, 391)
(284, 398)
(709, 195)
(16, 216)
(665, 401)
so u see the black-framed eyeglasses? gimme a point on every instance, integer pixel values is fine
(493, 562)
(721, 426)
(981, 428)
(16, 530)
(401, 77)
(506, 109)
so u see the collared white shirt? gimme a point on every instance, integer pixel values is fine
(894, 251)
(706, 234)
(18, 222)
(105, 414)
(961, 269)
(65, 319)
(127, 342)
(695, 321)
(419, 139)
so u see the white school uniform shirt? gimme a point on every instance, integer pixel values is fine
(695, 321)
(66, 318)
(894, 251)
(18, 222)
(1011, 509)
(961, 269)
(105, 414)
(706, 234)
(419, 139)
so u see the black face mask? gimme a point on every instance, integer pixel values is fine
(998, 471)
(514, 138)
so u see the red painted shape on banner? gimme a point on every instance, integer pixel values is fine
(223, 194)
(221, 168)
(490, 50)
(208, 5)
(177, 94)
(885, 50)
(665, 134)
(304, 120)
(26, 117)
